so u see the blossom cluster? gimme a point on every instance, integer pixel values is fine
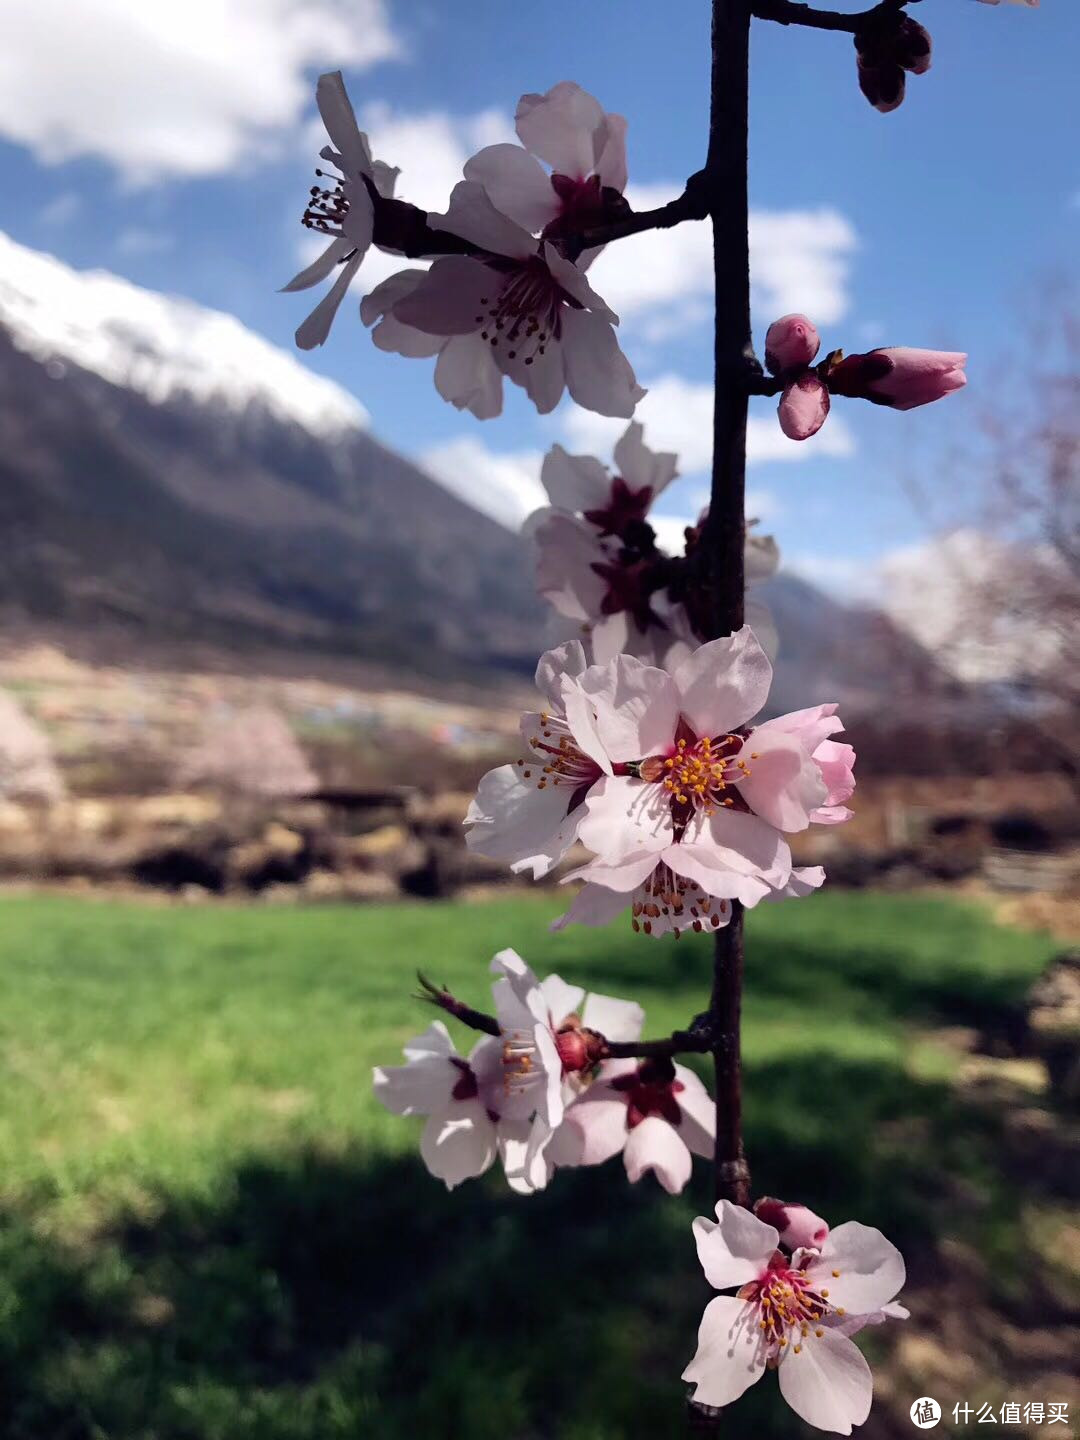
(653, 754)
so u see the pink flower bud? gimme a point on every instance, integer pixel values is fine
(803, 407)
(798, 1227)
(791, 342)
(899, 376)
(883, 86)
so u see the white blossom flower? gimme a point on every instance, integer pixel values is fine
(657, 1114)
(345, 213)
(546, 327)
(793, 1314)
(586, 149)
(528, 814)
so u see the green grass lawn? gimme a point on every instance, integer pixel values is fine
(212, 1232)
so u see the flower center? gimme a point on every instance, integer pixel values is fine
(519, 1061)
(650, 1089)
(326, 209)
(524, 315)
(667, 901)
(560, 762)
(790, 1307)
(699, 772)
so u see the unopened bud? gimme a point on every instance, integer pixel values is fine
(790, 342)
(798, 1227)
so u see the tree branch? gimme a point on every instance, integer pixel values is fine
(404, 228)
(696, 1039)
(794, 12)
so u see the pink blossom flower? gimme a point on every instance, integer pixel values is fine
(546, 327)
(655, 1113)
(685, 766)
(790, 344)
(344, 214)
(899, 376)
(586, 149)
(791, 1314)
(528, 814)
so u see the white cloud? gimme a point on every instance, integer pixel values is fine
(430, 148)
(662, 281)
(846, 578)
(505, 486)
(158, 89)
(677, 415)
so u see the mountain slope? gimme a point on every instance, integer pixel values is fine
(166, 473)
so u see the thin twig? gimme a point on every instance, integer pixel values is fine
(794, 12)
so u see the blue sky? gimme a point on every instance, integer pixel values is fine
(175, 148)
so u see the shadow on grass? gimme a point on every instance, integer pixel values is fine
(323, 1296)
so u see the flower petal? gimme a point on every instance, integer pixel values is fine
(698, 1108)
(472, 215)
(340, 121)
(730, 1356)
(562, 999)
(598, 374)
(422, 1087)
(466, 375)
(612, 1018)
(574, 482)
(828, 1384)
(724, 683)
(593, 1129)
(459, 1146)
(625, 821)
(609, 144)
(314, 330)
(639, 466)
(513, 820)
(783, 783)
(573, 280)
(635, 707)
(319, 269)
(592, 905)
(568, 660)
(735, 1248)
(449, 298)
(559, 127)
(872, 1270)
(516, 185)
(657, 1146)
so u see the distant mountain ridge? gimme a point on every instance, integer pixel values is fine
(169, 479)
(166, 473)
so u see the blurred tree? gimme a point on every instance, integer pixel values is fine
(27, 767)
(249, 752)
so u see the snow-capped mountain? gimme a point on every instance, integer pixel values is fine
(160, 346)
(166, 476)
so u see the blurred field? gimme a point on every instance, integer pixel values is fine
(212, 1232)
